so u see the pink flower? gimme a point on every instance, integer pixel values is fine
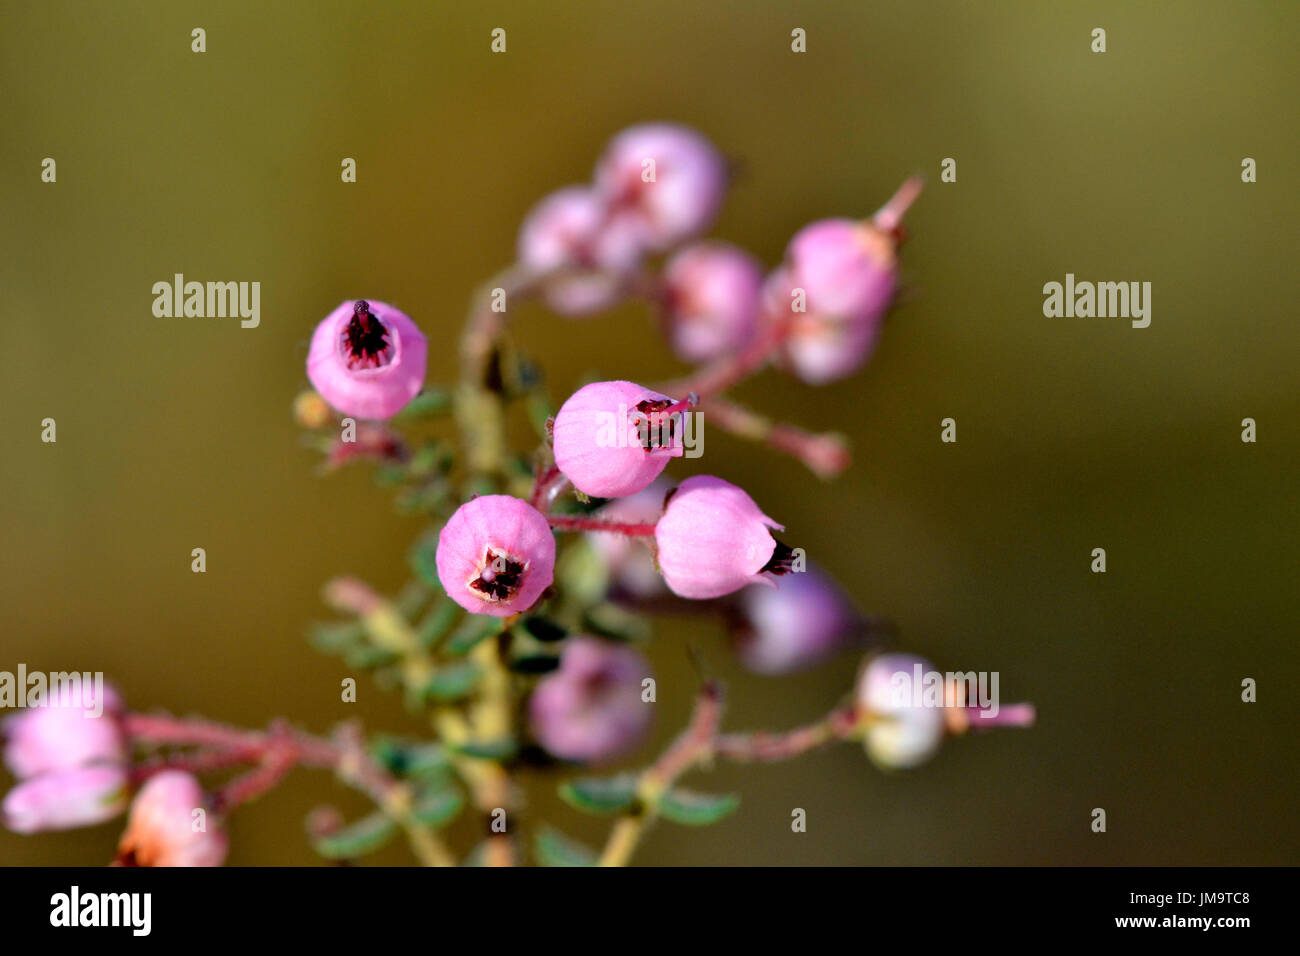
(667, 181)
(818, 347)
(496, 555)
(590, 709)
(628, 560)
(791, 627)
(572, 231)
(847, 268)
(164, 828)
(367, 359)
(612, 439)
(712, 292)
(63, 799)
(713, 540)
(70, 731)
(900, 731)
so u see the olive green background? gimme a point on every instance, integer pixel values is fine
(1073, 433)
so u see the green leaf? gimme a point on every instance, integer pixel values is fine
(423, 563)
(553, 848)
(438, 807)
(426, 760)
(535, 663)
(543, 629)
(365, 836)
(600, 794)
(335, 638)
(453, 682)
(501, 748)
(696, 809)
(475, 628)
(430, 402)
(367, 656)
(437, 622)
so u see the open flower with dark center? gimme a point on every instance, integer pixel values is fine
(367, 359)
(612, 439)
(496, 555)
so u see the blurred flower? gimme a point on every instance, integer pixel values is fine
(612, 439)
(71, 730)
(164, 829)
(667, 181)
(496, 555)
(712, 293)
(628, 561)
(900, 731)
(590, 709)
(63, 799)
(310, 410)
(712, 539)
(791, 627)
(571, 231)
(817, 347)
(367, 359)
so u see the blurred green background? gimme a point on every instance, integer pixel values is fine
(1073, 433)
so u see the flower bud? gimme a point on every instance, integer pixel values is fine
(712, 296)
(571, 231)
(612, 439)
(794, 626)
(901, 732)
(818, 347)
(64, 799)
(496, 555)
(712, 539)
(164, 829)
(367, 359)
(666, 180)
(71, 730)
(590, 709)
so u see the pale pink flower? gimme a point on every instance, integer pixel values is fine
(69, 731)
(172, 824)
(711, 291)
(63, 799)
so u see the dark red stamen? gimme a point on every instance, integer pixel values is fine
(366, 338)
(781, 562)
(500, 577)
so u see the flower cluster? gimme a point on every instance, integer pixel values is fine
(543, 569)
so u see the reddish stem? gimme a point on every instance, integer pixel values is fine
(579, 523)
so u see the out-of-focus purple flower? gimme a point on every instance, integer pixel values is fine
(71, 730)
(712, 296)
(712, 539)
(612, 439)
(901, 730)
(63, 799)
(496, 555)
(667, 181)
(628, 561)
(590, 709)
(572, 232)
(796, 625)
(817, 347)
(164, 828)
(367, 359)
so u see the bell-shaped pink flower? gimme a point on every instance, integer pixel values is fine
(590, 709)
(70, 730)
(571, 232)
(847, 268)
(818, 347)
(666, 180)
(902, 729)
(612, 439)
(367, 359)
(172, 824)
(64, 799)
(496, 555)
(711, 290)
(713, 540)
(629, 562)
(802, 622)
